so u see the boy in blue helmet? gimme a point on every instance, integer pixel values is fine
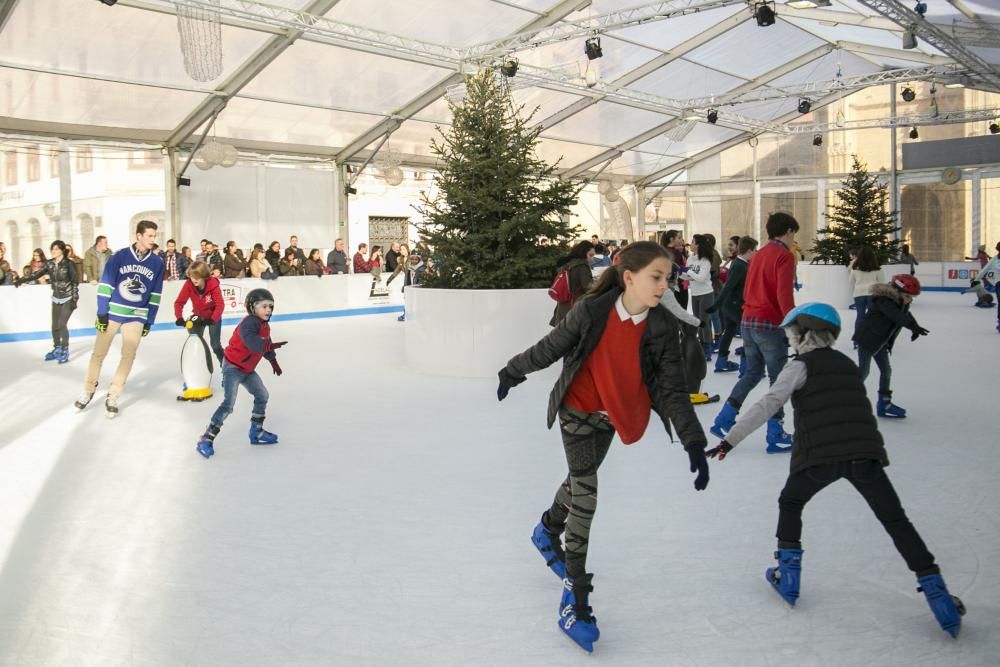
(836, 436)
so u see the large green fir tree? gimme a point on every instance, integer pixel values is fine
(495, 197)
(859, 218)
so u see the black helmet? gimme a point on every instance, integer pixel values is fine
(256, 296)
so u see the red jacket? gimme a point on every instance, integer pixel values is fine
(768, 293)
(206, 303)
(250, 342)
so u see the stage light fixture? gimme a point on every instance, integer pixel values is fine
(109, 3)
(713, 116)
(804, 105)
(914, 134)
(909, 39)
(807, 4)
(994, 128)
(509, 68)
(765, 14)
(920, 8)
(818, 140)
(908, 95)
(592, 47)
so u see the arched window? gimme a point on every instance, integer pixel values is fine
(85, 225)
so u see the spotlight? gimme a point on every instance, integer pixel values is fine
(994, 128)
(807, 4)
(920, 8)
(592, 47)
(914, 134)
(909, 39)
(908, 95)
(350, 190)
(804, 105)
(509, 68)
(818, 140)
(764, 13)
(713, 116)
(109, 3)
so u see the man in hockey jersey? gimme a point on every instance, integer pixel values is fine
(128, 297)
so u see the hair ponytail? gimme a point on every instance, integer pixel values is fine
(633, 257)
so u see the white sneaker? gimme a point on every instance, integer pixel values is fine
(84, 400)
(111, 406)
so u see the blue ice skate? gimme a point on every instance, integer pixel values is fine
(258, 436)
(778, 442)
(205, 446)
(63, 355)
(575, 617)
(785, 577)
(947, 608)
(723, 365)
(549, 545)
(886, 408)
(724, 420)
(53, 354)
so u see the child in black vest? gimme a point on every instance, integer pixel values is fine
(835, 436)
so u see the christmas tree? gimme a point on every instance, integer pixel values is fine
(859, 218)
(495, 197)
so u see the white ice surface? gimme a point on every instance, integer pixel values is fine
(391, 525)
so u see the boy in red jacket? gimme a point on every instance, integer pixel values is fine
(250, 343)
(202, 289)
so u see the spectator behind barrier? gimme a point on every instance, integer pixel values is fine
(95, 258)
(362, 265)
(314, 264)
(36, 264)
(336, 261)
(289, 265)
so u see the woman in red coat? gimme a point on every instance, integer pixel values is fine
(202, 289)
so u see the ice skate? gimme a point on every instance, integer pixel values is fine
(778, 442)
(785, 578)
(64, 355)
(258, 436)
(84, 400)
(724, 420)
(206, 442)
(723, 365)
(111, 406)
(54, 353)
(549, 544)
(575, 614)
(886, 408)
(947, 608)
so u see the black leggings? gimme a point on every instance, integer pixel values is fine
(729, 329)
(586, 439)
(870, 480)
(60, 319)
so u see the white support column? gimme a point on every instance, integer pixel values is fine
(341, 208)
(975, 233)
(820, 204)
(639, 202)
(66, 226)
(172, 199)
(756, 195)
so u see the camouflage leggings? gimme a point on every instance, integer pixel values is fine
(586, 438)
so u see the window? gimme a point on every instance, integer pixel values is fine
(34, 160)
(53, 163)
(84, 160)
(10, 168)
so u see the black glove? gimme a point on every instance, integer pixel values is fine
(972, 284)
(699, 465)
(145, 330)
(180, 322)
(102, 323)
(275, 367)
(721, 450)
(506, 382)
(279, 345)
(918, 331)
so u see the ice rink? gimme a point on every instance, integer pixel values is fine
(391, 524)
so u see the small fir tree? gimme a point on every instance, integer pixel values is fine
(859, 218)
(496, 198)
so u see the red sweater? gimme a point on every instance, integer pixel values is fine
(768, 293)
(610, 380)
(206, 303)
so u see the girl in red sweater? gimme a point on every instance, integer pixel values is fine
(202, 289)
(621, 359)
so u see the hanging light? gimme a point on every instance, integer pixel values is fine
(818, 140)
(713, 116)
(394, 176)
(920, 8)
(908, 95)
(804, 105)
(994, 128)
(592, 47)
(914, 134)
(509, 68)
(764, 13)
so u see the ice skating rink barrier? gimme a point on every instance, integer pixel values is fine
(25, 312)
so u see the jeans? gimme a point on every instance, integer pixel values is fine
(884, 367)
(764, 349)
(215, 337)
(60, 319)
(861, 305)
(586, 439)
(729, 329)
(232, 378)
(870, 480)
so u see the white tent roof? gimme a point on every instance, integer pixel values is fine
(335, 86)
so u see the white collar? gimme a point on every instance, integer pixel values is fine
(624, 314)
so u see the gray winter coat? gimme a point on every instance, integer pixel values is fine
(660, 358)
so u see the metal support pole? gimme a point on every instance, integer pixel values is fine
(756, 193)
(172, 196)
(893, 162)
(66, 225)
(975, 233)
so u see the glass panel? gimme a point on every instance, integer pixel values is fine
(667, 34)
(936, 220)
(634, 163)
(682, 79)
(606, 123)
(285, 123)
(801, 203)
(729, 54)
(701, 137)
(568, 57)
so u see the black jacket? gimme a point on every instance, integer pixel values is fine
(660, 358)
(886, 316)
(62, 276)
(729, 303)
(337, 261)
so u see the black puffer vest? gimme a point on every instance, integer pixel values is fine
(833, 416)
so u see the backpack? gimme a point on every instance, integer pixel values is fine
(559, 291)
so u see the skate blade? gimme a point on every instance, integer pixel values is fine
(585, 643)
(774, 586)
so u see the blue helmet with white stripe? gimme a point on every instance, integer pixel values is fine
(814, 316)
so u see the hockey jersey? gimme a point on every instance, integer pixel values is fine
(130, 287)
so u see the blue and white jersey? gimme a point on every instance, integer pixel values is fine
(990, 274)
(130, 287)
